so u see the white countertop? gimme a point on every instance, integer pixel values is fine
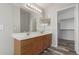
(22, 36)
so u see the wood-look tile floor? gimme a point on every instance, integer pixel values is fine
(57, 51)
(65, 47)
(67, 44)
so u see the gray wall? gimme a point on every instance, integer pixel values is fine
(24, 21)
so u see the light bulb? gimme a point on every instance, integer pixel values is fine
(29, 4)
(33, 8)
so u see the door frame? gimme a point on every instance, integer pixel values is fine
(75, 18)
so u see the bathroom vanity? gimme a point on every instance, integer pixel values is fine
(31, 44)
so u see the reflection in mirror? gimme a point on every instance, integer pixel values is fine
(24, 21)
(35, 21)
(45, 21)
(44, 24)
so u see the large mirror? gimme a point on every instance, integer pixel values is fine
(29, 20)
(32, 21)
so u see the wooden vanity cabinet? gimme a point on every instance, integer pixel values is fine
(32, 46)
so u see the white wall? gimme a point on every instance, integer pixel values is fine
(16, 18)
(9, 18)
(77, 32)
(52, 13)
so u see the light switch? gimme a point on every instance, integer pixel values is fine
(1, 27)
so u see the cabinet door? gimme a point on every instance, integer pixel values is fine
(37, 45)
(47, 40)
(27, 47)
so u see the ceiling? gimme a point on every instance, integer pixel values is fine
(44, 5)
(49, 5)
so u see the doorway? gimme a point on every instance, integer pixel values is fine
(65, 22)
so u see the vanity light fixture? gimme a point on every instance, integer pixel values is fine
(33, 8)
